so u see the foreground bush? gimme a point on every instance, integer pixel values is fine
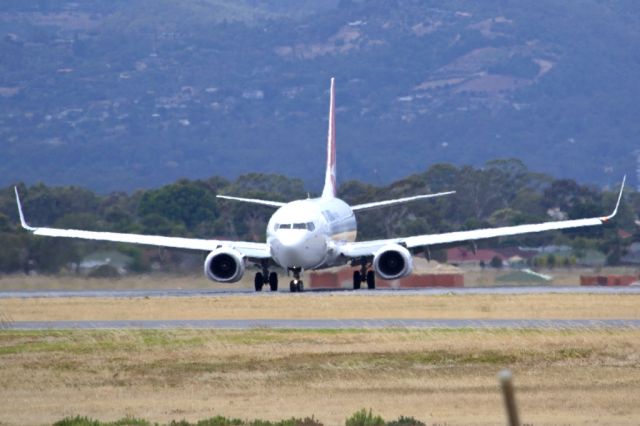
(214, 421)
(360, 418)
(406, 421)
(86, 421)
(364, 418)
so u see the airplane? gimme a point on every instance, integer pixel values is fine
(316, 233)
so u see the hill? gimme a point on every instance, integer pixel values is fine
(127, 94)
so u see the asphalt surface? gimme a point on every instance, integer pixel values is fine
(382, 292)
(324, 324)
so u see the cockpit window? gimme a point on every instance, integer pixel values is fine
(309, 226)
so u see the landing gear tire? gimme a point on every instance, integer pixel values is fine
(357, 280)
(258, 281)
(371, 280)
(296, 286)
(273, 281)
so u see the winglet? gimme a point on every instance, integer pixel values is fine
(22, 221)
(615, 211)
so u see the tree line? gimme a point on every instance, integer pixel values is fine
(501, 193)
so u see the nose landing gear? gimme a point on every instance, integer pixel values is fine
(296, 285)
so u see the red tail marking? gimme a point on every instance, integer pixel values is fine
(330, 176)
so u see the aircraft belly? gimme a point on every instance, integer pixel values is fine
(331, 263)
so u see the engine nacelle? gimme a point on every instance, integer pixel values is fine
(392, 262)
(224, 265)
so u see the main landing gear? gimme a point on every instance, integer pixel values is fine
(364, 274)
(296, 285)
(266, 278)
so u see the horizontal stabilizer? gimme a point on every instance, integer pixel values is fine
(378, 204)
(275, 204)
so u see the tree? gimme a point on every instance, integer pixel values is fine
(551, 261)
(184, 202)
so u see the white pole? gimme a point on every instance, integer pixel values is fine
(506, 383)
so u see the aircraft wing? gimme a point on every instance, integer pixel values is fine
(248, 249)
(276, 204)
(368, 248)
(378, 204)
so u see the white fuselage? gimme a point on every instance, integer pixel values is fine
(304, 233)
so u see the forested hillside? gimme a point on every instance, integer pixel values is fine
(121, 94)
(501, 193)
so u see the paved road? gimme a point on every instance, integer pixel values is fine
(383, 292)
(324, 324)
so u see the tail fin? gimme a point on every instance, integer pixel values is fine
(330, 189)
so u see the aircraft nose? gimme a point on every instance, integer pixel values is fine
(292, 248)
(297, 249)
(292, 240)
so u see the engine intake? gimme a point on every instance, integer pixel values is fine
(392, 262)
(224, 265)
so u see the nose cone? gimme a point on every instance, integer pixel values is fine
(292, 248)
(292, 239)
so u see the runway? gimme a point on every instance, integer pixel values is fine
(319, 292)
(325, 324)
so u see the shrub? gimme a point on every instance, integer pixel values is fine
(86, 421)
(214, 421)
(104, 271)
(77, 421)
(307, 421)
(406, 421)
(364, 418)
(224, 421)
(496, 262)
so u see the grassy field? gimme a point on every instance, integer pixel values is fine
(21, 282)
(437, 376)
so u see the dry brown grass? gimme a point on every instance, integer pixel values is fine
(438, 376)
(562, 377)
(331, 306)
(21, 282)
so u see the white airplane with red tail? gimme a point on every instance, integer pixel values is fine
(316, 233)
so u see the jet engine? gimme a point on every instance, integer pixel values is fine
(224, 265)
(392, 261)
